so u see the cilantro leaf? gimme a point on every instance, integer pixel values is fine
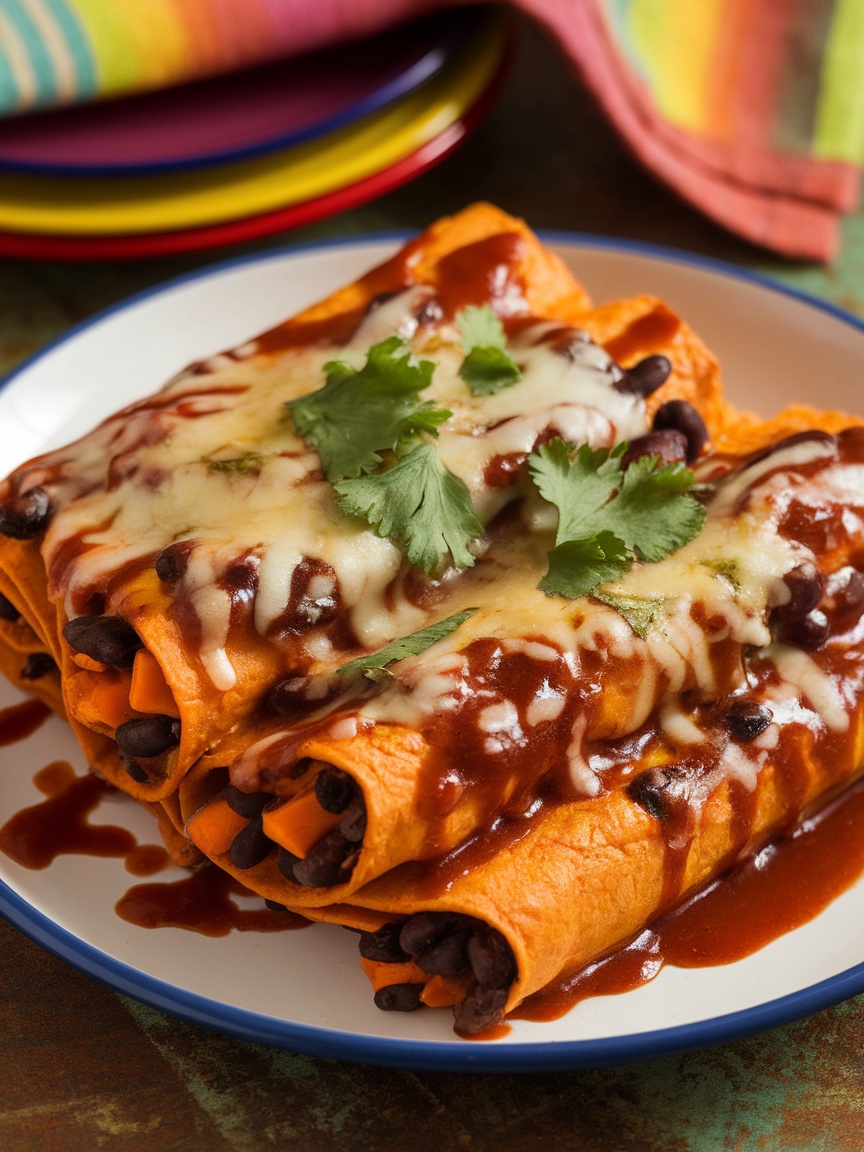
(639, 611)
(480, 328)
(487, 368)
(578, 566)
(653, 512)
(419, 504)
(411, 645)
(360, 413)
(608, 515)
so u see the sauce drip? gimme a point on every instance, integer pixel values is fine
(147, 859)
(646, 334)
(201, 902)
(21, 720)
(784, 886)
(37, 835)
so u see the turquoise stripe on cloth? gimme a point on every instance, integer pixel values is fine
(78, 47)
(31, 38)
(8, 84)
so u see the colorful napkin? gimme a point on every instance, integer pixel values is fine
(753, 110)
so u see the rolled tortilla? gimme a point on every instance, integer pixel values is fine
(506, 708)
(169, 521)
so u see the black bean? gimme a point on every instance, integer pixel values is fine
(286, 862)
(148, 736)
(430, 313)
(8, 611)
(668, 445)
(647, 790)
(645, 378)
(383, 945)
(37, 665)
(423, 929)
(300, 768)
(805, 584)
(250, 846)
(448, 956)
(683, 417)
(26, 516)
(330, 862)
(746, 718)
(171, 562)
(399, 997)
(334, 789)
(491, 958)
(480, 1009)
(109, 639)
(139, 774)
(847, 590)
(808, 632)
(353, 823)
(248, 804)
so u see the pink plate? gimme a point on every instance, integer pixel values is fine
(142, 246)
(239, 115)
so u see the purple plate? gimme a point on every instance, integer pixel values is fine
(239, 115)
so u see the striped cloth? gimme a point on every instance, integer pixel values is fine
(751, 109)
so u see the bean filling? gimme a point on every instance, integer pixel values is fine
(148, 736)
(329, 862)
(109, 639)
(446, 944)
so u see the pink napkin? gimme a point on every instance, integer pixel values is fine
(753, 110)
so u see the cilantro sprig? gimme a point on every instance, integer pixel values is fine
(411, 645)
(608, 516)
(487, 367)
(420, 504)
(360, 413)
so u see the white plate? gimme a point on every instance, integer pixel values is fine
(304, 990)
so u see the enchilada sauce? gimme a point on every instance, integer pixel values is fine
(784, 886)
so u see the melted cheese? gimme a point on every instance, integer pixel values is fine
(162, 472)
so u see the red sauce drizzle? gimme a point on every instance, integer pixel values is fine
(147, 859)
(201, 902)
(35, 836)
(646, 334)
(784, 886)
(21, 720)
(482, 272)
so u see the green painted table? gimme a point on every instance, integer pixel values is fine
(84, 1068)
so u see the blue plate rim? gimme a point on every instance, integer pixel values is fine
(431, 1055)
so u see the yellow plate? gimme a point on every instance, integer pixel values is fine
(111, 205)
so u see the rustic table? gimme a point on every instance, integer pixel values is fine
(84, 1068)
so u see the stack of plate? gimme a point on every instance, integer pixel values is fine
(241, 156)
